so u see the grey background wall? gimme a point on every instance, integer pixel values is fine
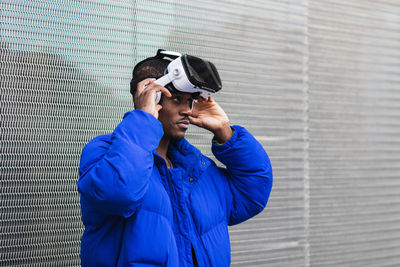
(317, 82)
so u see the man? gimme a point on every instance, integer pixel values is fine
(149, 198)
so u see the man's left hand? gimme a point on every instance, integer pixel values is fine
(209, 115)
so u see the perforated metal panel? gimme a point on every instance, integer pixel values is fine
(354, 130)
(317, 82)
(64, 72)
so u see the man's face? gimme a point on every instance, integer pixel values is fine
(174, 115)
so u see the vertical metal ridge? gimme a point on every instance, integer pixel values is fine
(306, 137)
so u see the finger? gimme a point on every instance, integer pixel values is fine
(194, 113)
(194, 121)
(158, 88)
(143, 84)
(195, 108)
(165, 91)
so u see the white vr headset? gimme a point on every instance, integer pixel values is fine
(188, 74)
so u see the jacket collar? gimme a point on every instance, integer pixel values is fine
(187, 157)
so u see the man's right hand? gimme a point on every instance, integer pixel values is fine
(145, 96)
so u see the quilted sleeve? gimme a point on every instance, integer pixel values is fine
(249, 173)
(114, 173)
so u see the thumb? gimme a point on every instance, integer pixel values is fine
(195, 121)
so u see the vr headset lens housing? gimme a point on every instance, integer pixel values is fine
(191, 75)
(201, 73)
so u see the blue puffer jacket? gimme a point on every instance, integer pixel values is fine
(137, 212)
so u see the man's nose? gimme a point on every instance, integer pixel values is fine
(185, 109)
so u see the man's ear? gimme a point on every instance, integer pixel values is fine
(161, 99)
(133, 88)
(133, 100)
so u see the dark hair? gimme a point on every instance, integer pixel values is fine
(148, 68)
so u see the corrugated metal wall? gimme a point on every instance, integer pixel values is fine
(354, 133)
(317, 82)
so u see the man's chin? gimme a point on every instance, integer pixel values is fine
(178, 137)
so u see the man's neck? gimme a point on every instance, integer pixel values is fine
(162, 150)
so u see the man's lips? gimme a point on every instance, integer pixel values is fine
(183, 124)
